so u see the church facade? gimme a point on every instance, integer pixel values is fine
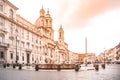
(26, 43)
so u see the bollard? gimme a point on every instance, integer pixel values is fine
(76, 67)
(103, 66)
(36, 67)
(58, 67)
(4, 65)
(20, 66)
(79, 66)
(8, 64)
(14, 66)
(97, 67)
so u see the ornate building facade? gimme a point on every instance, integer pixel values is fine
(24, 42)
(110, 55)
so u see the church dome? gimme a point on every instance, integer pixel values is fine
(42, 11)
(39, 22)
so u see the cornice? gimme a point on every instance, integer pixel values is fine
(10, 4)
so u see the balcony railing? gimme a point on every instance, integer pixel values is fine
(4, 44)
(11, 35)
(28, 50)
(2, 29)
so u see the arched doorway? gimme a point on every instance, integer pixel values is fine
(3, 49)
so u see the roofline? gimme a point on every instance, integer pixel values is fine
(12, 5)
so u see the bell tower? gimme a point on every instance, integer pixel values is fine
(60, 35)
(48, 20)
(48, 25)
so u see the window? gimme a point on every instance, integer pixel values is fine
(17, 31)
(27, 45)
(1, 54)
(18, 43)
(32, 57)
(36, 41)
(11, 55)
(1, 39)
(36, 48)
(1, 7)
(40, 42)
(32, 46)
(27, 35)
(40, 58)
(46, 61)
(22, 56)
(40, 48)
(22, 33)
(10, 41)
(32, 37)
(47, 22)
(22, 44)
(1, 22)
(60, 34)
(50, 22)
(11, 13)
(11, 28)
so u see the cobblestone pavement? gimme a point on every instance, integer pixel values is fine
(110, 73)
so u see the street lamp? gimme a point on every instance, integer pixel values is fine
(103, 65)
(104, 56)
(16, 47)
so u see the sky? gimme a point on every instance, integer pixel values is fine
(98, 20)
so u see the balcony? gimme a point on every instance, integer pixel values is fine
(3, 30)
(12, 36)
(28, 50)
(4, 45)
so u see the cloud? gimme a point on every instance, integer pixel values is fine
(70, 13)
(91, 8)
(76, 13)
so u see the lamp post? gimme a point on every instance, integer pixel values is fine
(104, 56)
(103, 65)
(16, 47)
